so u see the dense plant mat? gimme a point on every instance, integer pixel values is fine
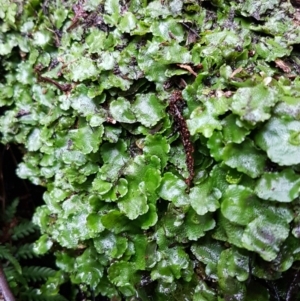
(25, 281)
(167, 136)
(24, 275)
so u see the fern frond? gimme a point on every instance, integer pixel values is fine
(35, 295)
(5, 253)
(25, 228)
(10, 211)
(25, 252)
(13, 276)
(33, 273)
(10, 272)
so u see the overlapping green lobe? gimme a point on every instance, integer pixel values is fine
(280, 187)
(279, 138)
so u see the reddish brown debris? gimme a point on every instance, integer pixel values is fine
(175, 110)
(63, 87)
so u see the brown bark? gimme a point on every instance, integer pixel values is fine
(4, 288)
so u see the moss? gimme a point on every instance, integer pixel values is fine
(158, 129)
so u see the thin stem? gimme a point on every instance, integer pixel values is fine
(4, 288)
(62, 87)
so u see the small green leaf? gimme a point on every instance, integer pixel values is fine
(205, 198)
(74, 204)
(93, 222)
(245, 157)
(87, 140)
(64, 261)
(265, 235)
(43, 244)
(204, 293)
(167, 29)
(276, 138)
(208, 251)
(172, 221)
(101, 186)
(229, 232)
(140, 246)
(157, 145)
(289, 107)
(175, 259)
(106, 288)
(59, 16)
(216, 145)
(73, 157)
(41, 38)
(148, 109)
(221, 38)
(236, 263)
(25, 73)
(143, 177)
(113, 8)
(128, 22)
(156, 8)
(270, 49)
(116, 221)
(228, 267)
(255, 9)
(173, 189)
(76, 231)
(82, 69)
(232, 129)
(281, 186)
(153, 69)
(6, 48)
(204, 122)
(112, 133)
(96, 120)
(123, 280)
(134, 203)
(148, 219)
(177, 157)
(121, 110)
(88, 268)
(173, 53)
(112, 245)
(195, 225)
(34, 140)
(115, 159)
(118, 190)
(95, 40)
(83, 104)
(218, 176)
(248, 104)
(239, 205)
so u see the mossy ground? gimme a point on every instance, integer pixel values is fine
(166, 136)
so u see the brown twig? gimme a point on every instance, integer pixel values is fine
(188, 68)
(191, 29)
(235, 72)
(4, 288)
(283, 66)
(62, 87)
(79, 13)
(175, 111)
